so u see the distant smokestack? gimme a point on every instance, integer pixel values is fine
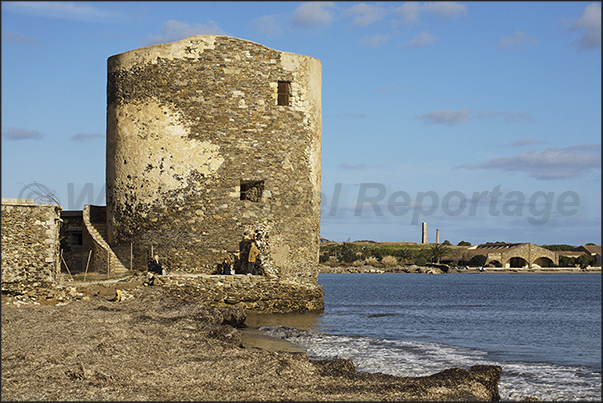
(424, 233)
(437, 236)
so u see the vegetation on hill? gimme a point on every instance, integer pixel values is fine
(582, 261)
(369, 251)
(560, 247)
(388, 254)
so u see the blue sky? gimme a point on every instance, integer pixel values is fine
(482, 119)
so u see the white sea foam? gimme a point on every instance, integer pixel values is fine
(412, 358)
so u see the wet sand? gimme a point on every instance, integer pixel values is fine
(253, 337)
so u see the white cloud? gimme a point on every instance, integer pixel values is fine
(84, 137)
(446, 117)
(409, 11)
(450, 117)
(589, 23)
(445, 9)
(173, 30)
(373, 41)
(314, 14)
(422, 40)
(365, 14)
(78, 11)
(15, 133)
(15, 37)
(523, 142)
(268, 24)
(517, 39)
(553, 163)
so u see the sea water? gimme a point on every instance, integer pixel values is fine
(544, 330)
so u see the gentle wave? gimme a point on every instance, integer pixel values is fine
(411, 358)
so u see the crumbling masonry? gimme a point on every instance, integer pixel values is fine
(209, 138)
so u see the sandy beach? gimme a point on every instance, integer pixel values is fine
(155, 347)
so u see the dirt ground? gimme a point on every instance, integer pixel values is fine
(154, 347)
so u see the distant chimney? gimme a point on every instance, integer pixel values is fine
(437, 236)
(424, 233)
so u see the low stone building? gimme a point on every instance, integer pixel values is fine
(30, 241)
(592, 250)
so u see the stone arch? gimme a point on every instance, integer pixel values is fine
(517, 261)
(495, 263)
(544, 261)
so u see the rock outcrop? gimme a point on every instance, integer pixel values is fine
(255, 293)
(371, 269)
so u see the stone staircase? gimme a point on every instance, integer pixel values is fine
(94, 221)
(100, 230)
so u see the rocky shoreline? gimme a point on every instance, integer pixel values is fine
(154, 346)
(439, 269)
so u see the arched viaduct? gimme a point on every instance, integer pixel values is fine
(509, 255)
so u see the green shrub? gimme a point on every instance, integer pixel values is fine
(585, 260)
(478, 260)
(567, 261)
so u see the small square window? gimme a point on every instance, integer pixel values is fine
(284, 93)
(252, 190)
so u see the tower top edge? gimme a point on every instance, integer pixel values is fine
(201, 42)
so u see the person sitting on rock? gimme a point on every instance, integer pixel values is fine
(226, 266)
(155, 265)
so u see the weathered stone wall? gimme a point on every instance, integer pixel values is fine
(30, 241)
(255, 293)
(191, 124)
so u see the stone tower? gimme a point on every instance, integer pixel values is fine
(209, 138)
(424, 233)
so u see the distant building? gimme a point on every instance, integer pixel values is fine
(593, 250)
(509, 255)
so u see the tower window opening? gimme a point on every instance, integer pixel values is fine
(252, 190)
(284, 93)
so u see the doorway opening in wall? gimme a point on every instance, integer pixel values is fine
(252, 190)
(284, 93)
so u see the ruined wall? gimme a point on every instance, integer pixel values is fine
(30, 241)
(193, 124)
(254, 293)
